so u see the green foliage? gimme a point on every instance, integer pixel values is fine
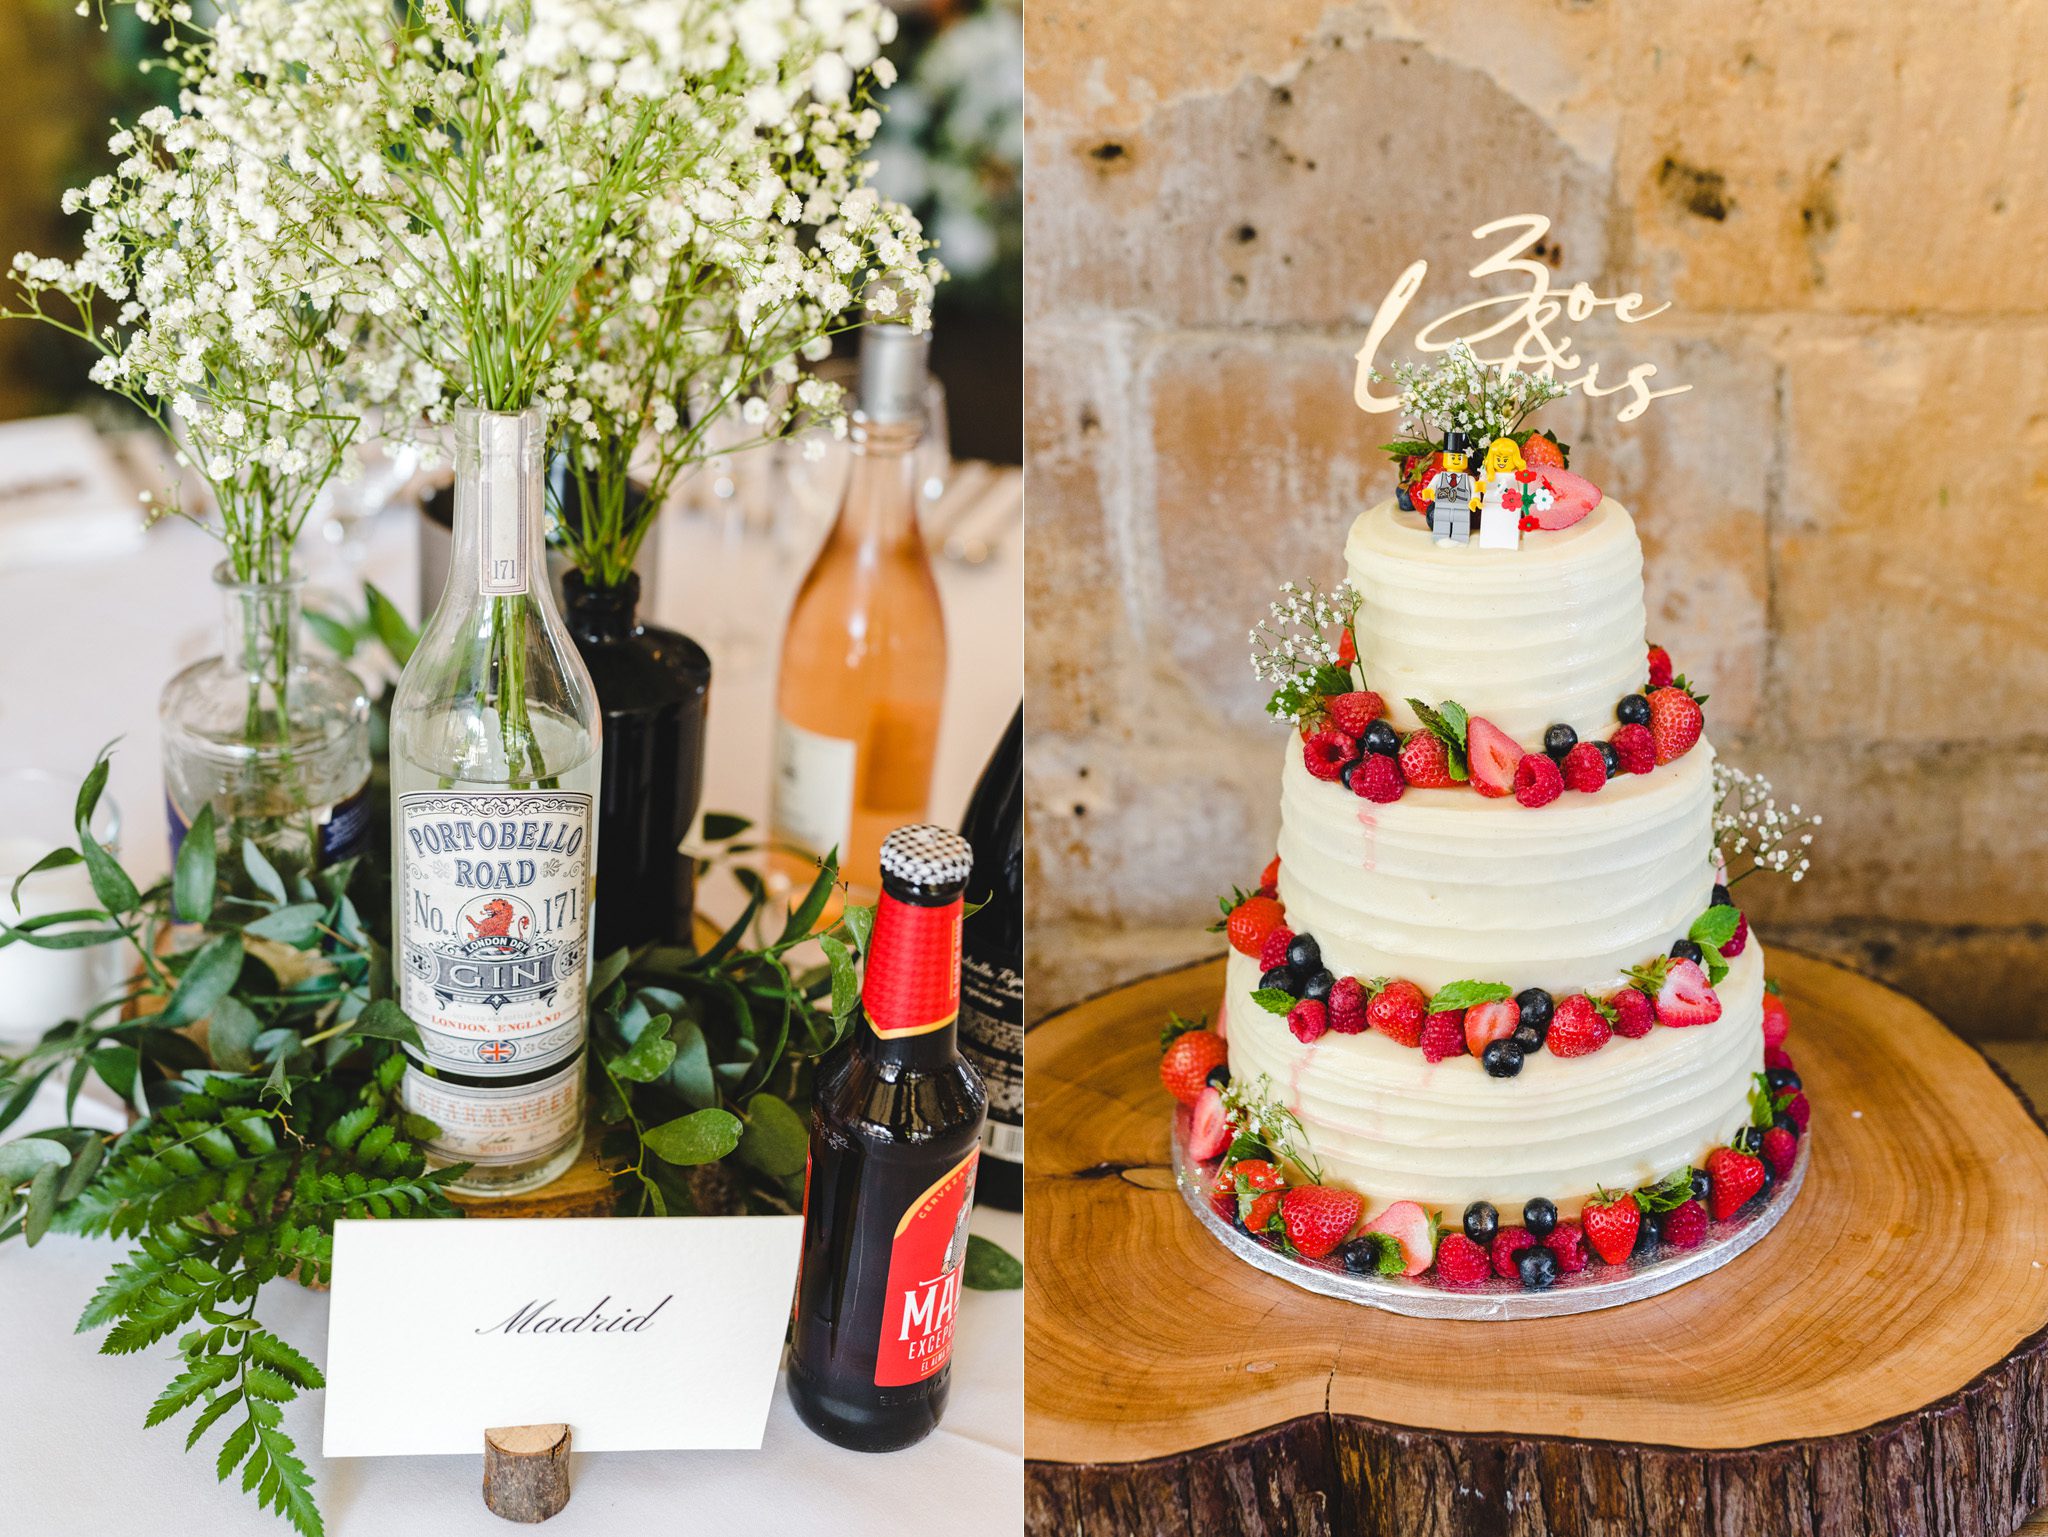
(1465, 995)
(1447, 723)
(990, 1267)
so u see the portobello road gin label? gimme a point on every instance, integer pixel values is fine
(494, 930)
(923, 1300)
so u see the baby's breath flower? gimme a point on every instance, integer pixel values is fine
(1750, 827)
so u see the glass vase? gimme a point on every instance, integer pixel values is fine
(276, 742)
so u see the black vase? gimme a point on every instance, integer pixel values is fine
(652, 687)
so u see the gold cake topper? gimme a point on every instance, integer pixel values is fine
(1524, 323)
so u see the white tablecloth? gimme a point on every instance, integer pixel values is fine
(84, 650)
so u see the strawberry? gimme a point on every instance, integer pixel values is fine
(1319, 1217)
(1257, 1174)
(1507, 1243)
(1584, 769)
(1800, 1111)
(1611, 1225)
(1417, 474)
(1541, 452)
(1537, 780)
(1328, 752)
(1489, 1022)
(1352, 713)
(1494, 756)
(1736, 1176)
(1223, 1196)
(1443, 1035)
(1209, 1132)
(1426, 762)
(1578, 1028)
(1274, 952)
(1777, 1018)
(1568, 1242)
(1347, 648)
(1378, 779)
(1684, 996)
(1739, 940)
(1271, 879)
(1259, 1209)
(1413, 1229)
(1572, 497)
(1461, 1262)
(1308, 1020)
(1185, 1067)
(1251, 920)
(1660, 667)
(1347, 1007)
(1397, 1011)
(1675, 723)
(1636, 748)
(1781, 1148)
(1633, 1015)
(1685, 1225)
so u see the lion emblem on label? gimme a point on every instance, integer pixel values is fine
(494, 922)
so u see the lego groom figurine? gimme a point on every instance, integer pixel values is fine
(1451, 497)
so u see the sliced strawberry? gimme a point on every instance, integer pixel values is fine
(1494, 757)
(1209, 1132)
(1572, 497)
(1489, 1022)
(1413, 1229)
(1684, 996)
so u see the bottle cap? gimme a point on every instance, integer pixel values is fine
(893, 362)
(932, 861)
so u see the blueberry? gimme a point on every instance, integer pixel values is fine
(1702, 1185)
(1781, 1079)
(1559, 740)
(1539, 1216)
(1536, 1006)
(1687, 950)
(1281, 978)
(1609, 757)
(1634, 710)
(1317, 984)
(1361, 1256)
(1785, 1122)
(1481, 1222)
(1530, 1037)
(1538, 1267)
(1344, 774)
(1502, 1058)
(1770, 1179)
(1650, 1234)
(1401, 499)
(1219, 1077)
(1721, 898)
(1748, 1140)
(1382, 738)
(1304, 955)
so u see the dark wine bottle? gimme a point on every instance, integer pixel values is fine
(992, 965)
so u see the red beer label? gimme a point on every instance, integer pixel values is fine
(912, 985)
(924, 1280)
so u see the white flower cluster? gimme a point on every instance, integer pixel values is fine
(1255, 1110)
(1460, 393)
(1292, 644)
(1752, 832)
(638, 212)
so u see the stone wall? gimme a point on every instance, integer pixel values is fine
(1846, 205)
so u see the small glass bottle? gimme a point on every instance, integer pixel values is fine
(495, 767)
(278, 743)
(863, 671)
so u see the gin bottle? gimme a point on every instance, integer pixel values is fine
(494, 783)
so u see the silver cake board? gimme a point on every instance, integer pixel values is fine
(1597, 1286)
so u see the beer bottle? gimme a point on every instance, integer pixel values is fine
(895, 1135)
(992, 965)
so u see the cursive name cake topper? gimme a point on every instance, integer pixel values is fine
(1524, 323)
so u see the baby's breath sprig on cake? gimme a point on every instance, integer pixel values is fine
(1293, 648)
(1458, 392)
(1753, 832)
(1256, 1112)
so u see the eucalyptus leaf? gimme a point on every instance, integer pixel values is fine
(703, 1136)
(648, 1057)
(110, 883)
(231, 1034)
(690, 1073)
(609, 970)
(85, 1162)
(860, 923)
(990, 1267)
(56, 859)
(21, 1158)
(262, 872)
(775, 1141)
(292, 925)
(12, 1107)
(206, 980)
(845, 978)
(42, 1203)
(386, 1021)
(91, 788)
(192, 880)
(117, 1067)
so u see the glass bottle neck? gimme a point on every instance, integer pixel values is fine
(500, 543)
(259, 624)
(931, 1052)
(880, 505)
(598, 614)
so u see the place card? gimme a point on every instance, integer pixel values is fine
(641, 1333)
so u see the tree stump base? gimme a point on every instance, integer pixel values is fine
(526, 1471)
(1877, 1365)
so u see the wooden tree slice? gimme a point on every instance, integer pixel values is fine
(526, 1471)
(1878, 1364)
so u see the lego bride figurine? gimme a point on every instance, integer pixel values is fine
(1503, 494)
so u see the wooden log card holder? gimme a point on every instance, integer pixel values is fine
(526, 1471)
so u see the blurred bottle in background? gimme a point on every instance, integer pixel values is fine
(992, 965)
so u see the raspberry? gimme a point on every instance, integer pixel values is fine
(1443, 1036)
(1739, 940)
(1274, 951)
(1675, 722)
(1397, 1011)
(1633, 1014)
(1781, 1149)
(1327, 753)
(1537, 781)
(1308, 1020)
(1660, 667)
(1507, 1243)
(1378, 779)
(1584, 769)
(1636, 748)
(1685, 1226)
(1426, 762)
(1461, 1262)
(1800, 1111)
(1352, 713)
(1778, 1056)
(1568, 1242)
(1347, 1006)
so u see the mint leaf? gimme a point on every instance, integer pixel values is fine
(1273, 1000)
(1673, 1190)
(1715, 927)
(1715, 966)
(1408, 448)
(1457, 996)
(1447, 723)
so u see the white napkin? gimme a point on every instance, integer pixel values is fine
(62, 494)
